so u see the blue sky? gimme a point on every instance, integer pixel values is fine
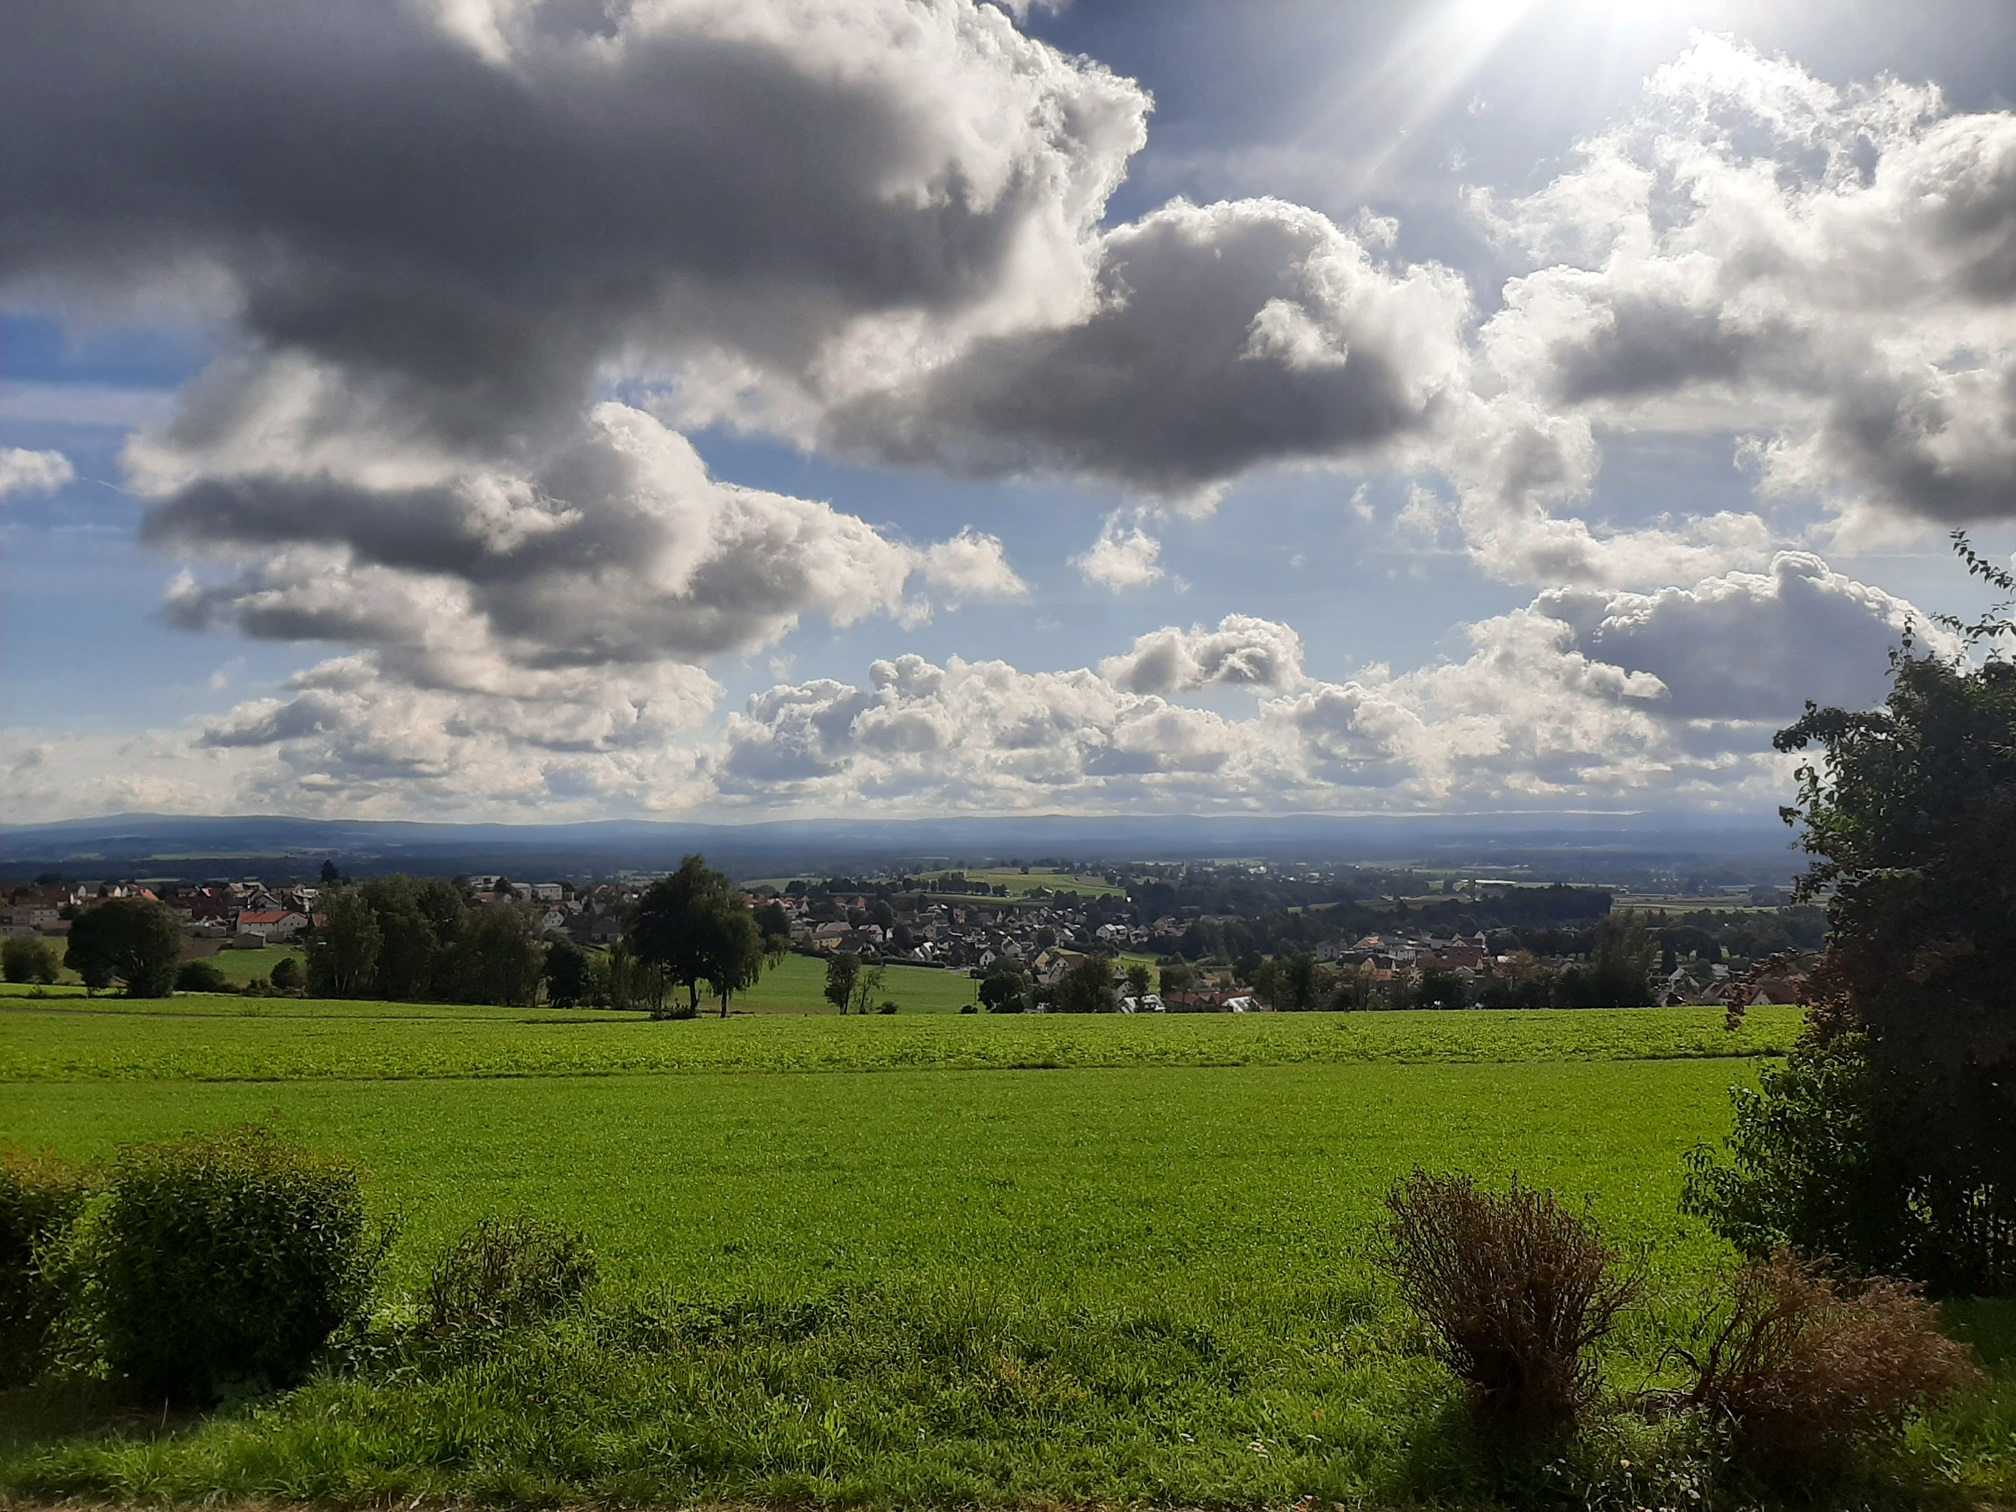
(553, 410)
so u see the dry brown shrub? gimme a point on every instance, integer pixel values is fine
(1515, 1288)
(1811, 1363)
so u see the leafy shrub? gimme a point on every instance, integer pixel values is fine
(26, 959)
(506, 1272)
(1810, 1364)
(286, 975)
(1808, 1166)
(200, 976)
(1515, 1288)
(888, 1006)
(40, 1199)
(228, 1258)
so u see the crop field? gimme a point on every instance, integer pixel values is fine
(1031, 1260)
(204, 1037)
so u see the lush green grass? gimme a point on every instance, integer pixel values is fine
(225, 1038)
(244, 965)
(797, 984)
(1139, 1280)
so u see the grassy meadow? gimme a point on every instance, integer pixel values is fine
(1030, 1260)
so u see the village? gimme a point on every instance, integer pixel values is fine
(951, 925)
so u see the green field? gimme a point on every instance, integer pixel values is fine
(1034, 1260)
(244, 965)
(1020, 883)
(797, 984)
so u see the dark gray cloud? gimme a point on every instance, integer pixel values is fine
(1222, 338)
(475, 233)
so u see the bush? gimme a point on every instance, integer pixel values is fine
(1811, 1364)
(888, 1006)
(40, 1199)
(1516, 1290)
(200, 976)
(286, 975)
(25, 959)
(506, 1272)
(228, 1259)
(1807, 1167)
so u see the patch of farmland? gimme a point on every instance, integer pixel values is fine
(303, 1039)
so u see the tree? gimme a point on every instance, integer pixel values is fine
(1178, 976)
(286, 975)
(566, 974)
(731, 947)
(1087, 987)
(501, 961)
(331, 877)
(1621, 964)
(26, 959)
(867, 984)
(1004, 991)
(775, 924)
(343, 951)
(842, 969)
(407, 940)
(1138, 979)
(674, 923)
(1890, 1135)
(131, 940)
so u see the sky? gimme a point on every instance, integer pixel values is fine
(746, 409)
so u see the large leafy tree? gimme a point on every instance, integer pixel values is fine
(134, 941)
(732, 947)
(697, 928)
(1890, 1136)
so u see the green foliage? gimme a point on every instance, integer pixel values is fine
(1797, 1168)
(40, 1200)
(506, 1273)
(695, 927)
(566, 974)
(1004, 991)
(843, 969)
(1088, 986)
(25, 958)
(287, 975)
(1910, 814)
(498, 959)
(343, 951)
(134, 941)
(227, 1259)
(200, 976)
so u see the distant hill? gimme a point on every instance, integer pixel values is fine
(1571, 846)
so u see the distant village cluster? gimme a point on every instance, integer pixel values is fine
(1224, 937)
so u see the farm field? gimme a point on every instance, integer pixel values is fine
(202, 1037)
(1132, 1271)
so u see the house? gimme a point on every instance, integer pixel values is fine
(271, 926)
